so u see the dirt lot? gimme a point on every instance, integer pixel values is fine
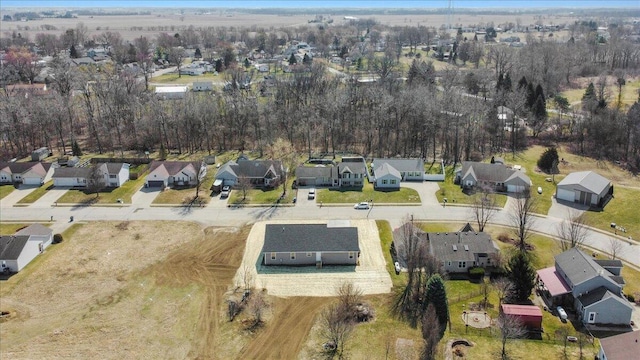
(123, 290)
(370, 276)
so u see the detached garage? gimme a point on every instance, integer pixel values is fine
(584, 187)
(530, 316)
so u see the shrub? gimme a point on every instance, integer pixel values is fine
(630, 297)
(476, 272)
(504, 237)
(548, 160)
(57, 238)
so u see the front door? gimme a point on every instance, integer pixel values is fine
(592, 318)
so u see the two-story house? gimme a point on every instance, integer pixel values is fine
(592, 287)
(457, 252)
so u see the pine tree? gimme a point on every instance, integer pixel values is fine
(522, 84)
(247, 63)
(73, 53)
(506, 84)
(589, 99)
(219, 65)
(548, 159)
(197, 54)
(540, 94)
(292, 60)
(522, 275)
(531, 96)
(75, 148)
(436, 294)
(307, 60)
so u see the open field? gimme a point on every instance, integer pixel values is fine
(96, 298)
(629, 92)
(133, 26)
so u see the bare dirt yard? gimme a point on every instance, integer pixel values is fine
(115, 290)
(371, 275)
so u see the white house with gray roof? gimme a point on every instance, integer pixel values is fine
(457, 252)
(112, 175)
(594, 287)
(261, 173)
(496, 177)
(584, 187)
(19, 249)
(310, 244)
(385, 171)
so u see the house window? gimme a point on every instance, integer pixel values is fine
(448, 263)
(384, 182)
(112, 176)
(273, 256)
(393, 181)
(592, 317)
(350, 255)
(308, 254)
(462, 264)
(293, 256)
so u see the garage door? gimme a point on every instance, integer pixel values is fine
(32, 181)
(155, 183)
(515, 188)
(566, 195)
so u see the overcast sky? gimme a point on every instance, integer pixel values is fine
(508, 4)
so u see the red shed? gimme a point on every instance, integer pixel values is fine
(529, 315)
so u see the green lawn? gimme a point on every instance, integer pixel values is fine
(629, 94)
(620, 210)
(37, 193)
(454, 193)
(6, 190)
(11, 228)
(386, 238)
(263, 196)
(106, 196)
(173, 79)
(184, 195)
(348, 196)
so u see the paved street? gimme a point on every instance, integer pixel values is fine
(218, 214)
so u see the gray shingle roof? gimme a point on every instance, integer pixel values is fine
(19, 167)
(35, 229)
(490, 172)
(621, 347)
(314, 172)
(608, 263)
(309, 238)
(598, 294)
(451, 246)
(352, 167)
(590, 180)
(253, 168)
(11, 246)
(402, 165)
(174, 167)
(114, 168)
(579, 267)
(386, 169)
(71, 172)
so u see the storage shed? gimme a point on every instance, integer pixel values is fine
(584, 187)
(529, 315)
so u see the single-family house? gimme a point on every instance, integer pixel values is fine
(624, 346)
(170, 173)
(319, 175)
(409, 169)
(351, 172)
(496, 177)
(115, 174)
(585, 187)
(26, 90)
(530, 316)
(16, 251)
(387, 177)
(310, 244)
(171, 92)
(592, 287)
(262, 67)
(202, 86)
(40, 154)
(457, 252)
(28, 173)
(71, 176)
(261, 173)
(409, 238)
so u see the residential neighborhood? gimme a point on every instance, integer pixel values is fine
(363, 181)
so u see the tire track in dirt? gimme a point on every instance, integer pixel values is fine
(283, 337)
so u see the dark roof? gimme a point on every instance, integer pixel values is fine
(19, 167)
(11, 246)
(460, 246)
(313, 171)
(621, 347)
(467, 228)
(71, 172)
(35, 229)
(399, 241)
(309, 238)
(174, 167)
(257, 168)
(618, 279)
(114, 168)
(353, 167)
(490, 172)
(608, 263)
(579, 267)
(598, 294)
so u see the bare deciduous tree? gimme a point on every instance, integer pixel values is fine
(430, 334)
(484, 207)
(510, 328)
(521, 218)
(335, 330)
(349, 296)
(244, 183)
(615, 246)
(572, 231)
(503, 288)
(257, 305)
(95, 181)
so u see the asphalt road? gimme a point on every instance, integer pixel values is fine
(218, 216)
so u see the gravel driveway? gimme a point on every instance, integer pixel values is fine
(370, 276)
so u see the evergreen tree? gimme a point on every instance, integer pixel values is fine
(548, 160)
(247, 63)
(540, 94)
(73, 53)
(292, 60)
(531, 96)
(506, 84)
(436, 295)
(522, 276)
(198, 54)
(307, 60)
(219, 65)
(589, 99)
(75, 149)
(499, 83)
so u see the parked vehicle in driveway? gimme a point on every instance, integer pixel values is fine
(361, 206)
(312, 194)
(561, 313)
(226, 190)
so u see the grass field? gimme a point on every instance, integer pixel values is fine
(37, 193)
(622, 210)
(177, 196)
(174, 79)
(629, 92)
(6, 190)
(347, 196)
(263, 196)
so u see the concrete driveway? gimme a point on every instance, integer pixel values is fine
(144, 197)
(17, 194)
(218, 202)
(51, 196)
(426, 189)
(562, 209)
(303, 200)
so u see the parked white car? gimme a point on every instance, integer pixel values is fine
(561, 313)
(361, 206)
(226, 190)
(312, 194)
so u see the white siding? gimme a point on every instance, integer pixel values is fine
(69, 182)
(567, 195)
(29, 252)
(32, 180)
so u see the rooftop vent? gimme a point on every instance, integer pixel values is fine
(455, 248)
(466, 248)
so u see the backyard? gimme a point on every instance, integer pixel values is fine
(367, 193)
